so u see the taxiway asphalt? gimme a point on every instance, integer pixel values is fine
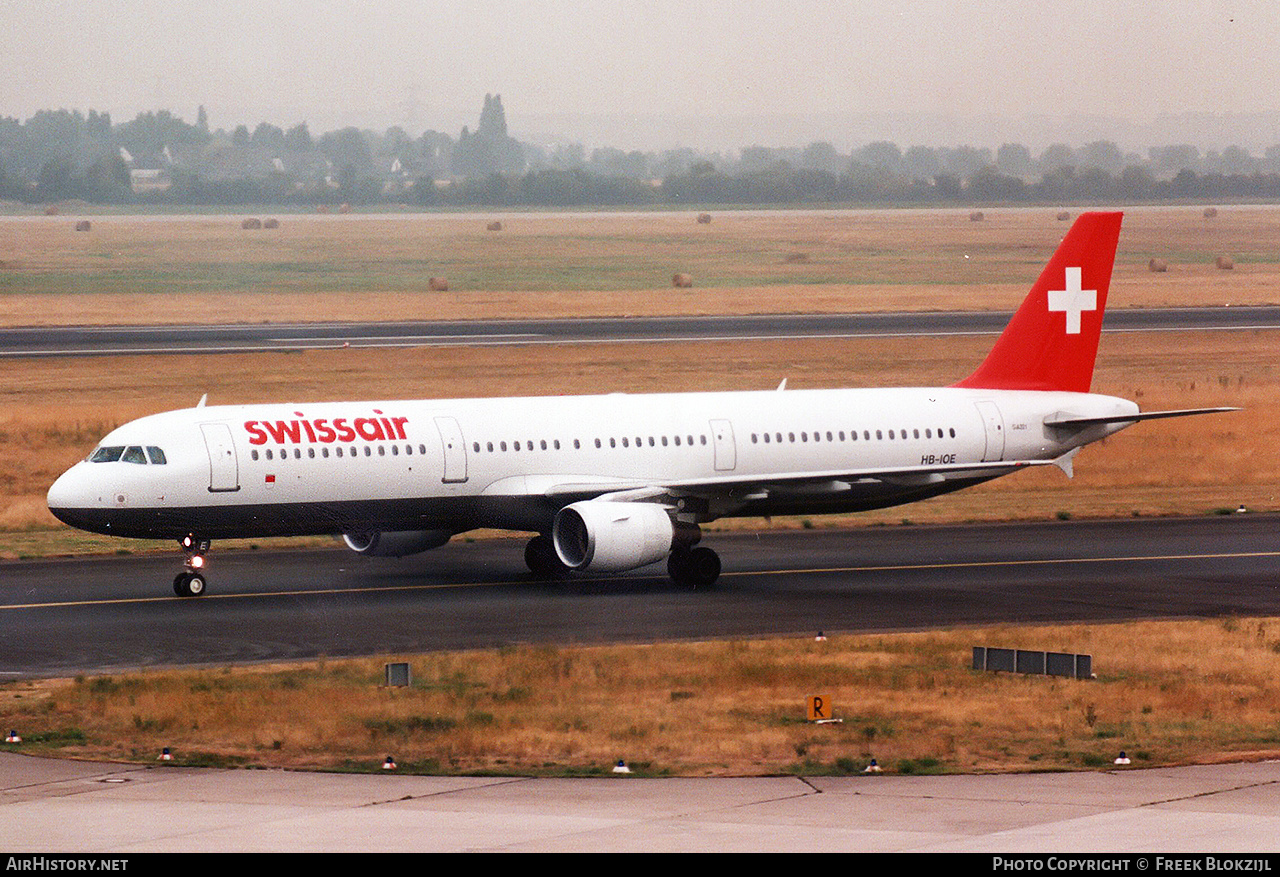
(101, 614)
(47, 341)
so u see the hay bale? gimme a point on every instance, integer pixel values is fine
(704, 219)
(681, 281)
(271, 223)
(51, 210)
(345, 208)
(976, 216)
(251, 223)
(1210, 212)
(83, 225)
(1158, 266)
(438, 284)
(494, 226)
(1063, 215)
(796, 258)
(1224, 262)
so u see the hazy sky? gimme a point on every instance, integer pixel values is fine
(659, 64)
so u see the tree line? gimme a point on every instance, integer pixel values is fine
(158, 158)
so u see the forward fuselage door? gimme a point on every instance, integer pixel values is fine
(725, 449)
(455, 450)
(224, 468)
(994, 426)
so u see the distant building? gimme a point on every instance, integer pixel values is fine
(149, 180)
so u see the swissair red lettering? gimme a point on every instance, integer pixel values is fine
(326, 431)
(281, 430)
(369, 429)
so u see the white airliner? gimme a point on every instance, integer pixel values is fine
(611, 482)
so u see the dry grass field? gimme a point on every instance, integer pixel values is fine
(179, 269)
(1166, 693)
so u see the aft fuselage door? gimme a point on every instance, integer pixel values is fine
(455, 450)
(993, 423)
(224, 468)
(725, 449)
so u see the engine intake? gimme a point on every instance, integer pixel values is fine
(396, 544)
(605, 536)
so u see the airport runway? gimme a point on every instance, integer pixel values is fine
(243, 338)
(113, 613)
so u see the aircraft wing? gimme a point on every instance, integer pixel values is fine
(746, 487)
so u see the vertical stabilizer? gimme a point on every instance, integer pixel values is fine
(1052, 341)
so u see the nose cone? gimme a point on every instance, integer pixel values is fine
(70, 501)
(63, 492)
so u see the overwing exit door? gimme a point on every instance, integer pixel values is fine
(726, 450)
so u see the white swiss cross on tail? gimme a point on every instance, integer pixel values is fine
(1073, 300)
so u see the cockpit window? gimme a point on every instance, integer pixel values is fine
(106, 455)
(156, 455)
(134, 455)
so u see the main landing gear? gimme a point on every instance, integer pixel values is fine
(695, 568)
(541, 558)
(190, 582)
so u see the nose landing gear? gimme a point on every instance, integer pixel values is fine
(190, 582)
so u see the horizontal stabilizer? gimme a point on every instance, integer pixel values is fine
(1062, 419)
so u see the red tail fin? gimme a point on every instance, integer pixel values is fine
(1052, 341)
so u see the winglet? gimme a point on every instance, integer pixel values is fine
(1052, 341)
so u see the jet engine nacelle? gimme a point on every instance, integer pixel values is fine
(396, 544)
(612, 536)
